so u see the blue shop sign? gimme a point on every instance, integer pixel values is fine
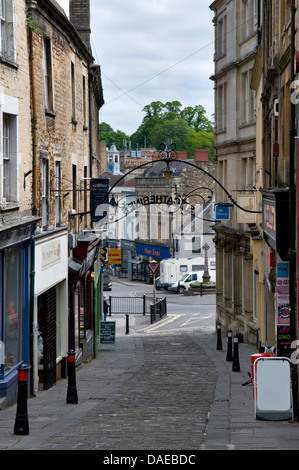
(222, 212)
(283, 270)
(155, 251)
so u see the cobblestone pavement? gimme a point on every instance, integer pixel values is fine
(163, 406)
(156, 390)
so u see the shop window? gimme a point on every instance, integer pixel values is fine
(12, 303)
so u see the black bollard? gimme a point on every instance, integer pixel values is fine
(21, 423)
(229, 354)
(72, 396)
(236, 363)
(127, 324)
(219, 342)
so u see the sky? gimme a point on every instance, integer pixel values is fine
(151, 50)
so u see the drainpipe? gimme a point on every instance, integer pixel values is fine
(34, 125)
(292, 218)
(31, 309)
(90, 79)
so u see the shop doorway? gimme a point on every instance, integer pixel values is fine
(47, 326)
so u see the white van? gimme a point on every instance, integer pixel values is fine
(195, 276)
(173, 269)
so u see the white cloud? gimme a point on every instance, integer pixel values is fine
(162, 50)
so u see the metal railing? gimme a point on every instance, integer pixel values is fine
(156, 307)
(158, 310)
(131, 305)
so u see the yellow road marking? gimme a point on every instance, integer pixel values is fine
(175, 317)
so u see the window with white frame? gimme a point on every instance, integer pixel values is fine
(7, 30)
(9, 156)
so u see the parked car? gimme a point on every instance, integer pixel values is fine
(107, 284)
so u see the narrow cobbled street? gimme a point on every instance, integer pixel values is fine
(164, 405)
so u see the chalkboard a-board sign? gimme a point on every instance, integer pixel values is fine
(107, 335)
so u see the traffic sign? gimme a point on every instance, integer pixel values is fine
(153, 267)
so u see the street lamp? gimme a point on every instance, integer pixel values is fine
(168, 155)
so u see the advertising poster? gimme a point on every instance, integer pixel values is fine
(283, 310)
(282, 294)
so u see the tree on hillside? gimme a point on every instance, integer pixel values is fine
(108, 135)
(189, 128)
(196, 118)
(177, 130)
(200, 140)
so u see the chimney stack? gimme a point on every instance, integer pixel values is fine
(80, 18)
(201, 155)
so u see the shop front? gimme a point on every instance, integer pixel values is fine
(81, 298)
(147, 252)
(276, 269)
(15, 323)
(51, 306)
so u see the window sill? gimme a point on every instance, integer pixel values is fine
(50, 112)
(247, 124)
(8, 206)
(9, 62)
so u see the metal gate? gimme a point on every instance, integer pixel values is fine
(47, 326)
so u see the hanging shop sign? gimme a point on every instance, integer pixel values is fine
(247, 202)
(159, 199)
(221, 212)
(99, 188)
(276, 221)
(114, 256)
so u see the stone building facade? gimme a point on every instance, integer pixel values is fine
(158, 222)
(272, 82)
(66, 95)
(235, 143)
(17, 222)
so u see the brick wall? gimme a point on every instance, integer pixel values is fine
(62, 137)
